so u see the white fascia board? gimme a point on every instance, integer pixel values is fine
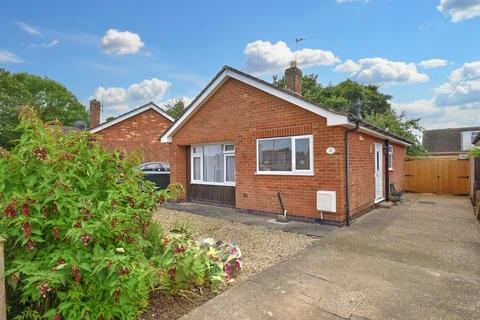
(129, 115)
(333, 118)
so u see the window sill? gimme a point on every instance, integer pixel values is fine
(390, 169)
(224, 184)
(280, 173)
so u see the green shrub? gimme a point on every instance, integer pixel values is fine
(181, 263)
(76, 238)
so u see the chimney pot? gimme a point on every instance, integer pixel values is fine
(94, 113)
(293, 78)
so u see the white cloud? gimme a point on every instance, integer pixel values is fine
(8, 57)
(460, 10)
(119, 100)
(434, 116)
(456, 102)
(462, 88)
(382, 71)
(45, 44)
(264, 57)
(433, 63)
(118, 43)
(29, 29)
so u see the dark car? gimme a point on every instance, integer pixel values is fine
(156, 172)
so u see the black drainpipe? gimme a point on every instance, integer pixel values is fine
(347, 168)
(387, 171)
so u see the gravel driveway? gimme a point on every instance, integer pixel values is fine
(261, 247)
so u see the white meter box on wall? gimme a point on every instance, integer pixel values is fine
(327, 201)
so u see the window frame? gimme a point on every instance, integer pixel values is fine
(390, 158)
(294, 172)
(230, 153)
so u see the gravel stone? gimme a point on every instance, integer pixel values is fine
(261, 247)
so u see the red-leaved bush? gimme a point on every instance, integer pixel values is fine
(75, 218)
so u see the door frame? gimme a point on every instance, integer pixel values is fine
(378, 163)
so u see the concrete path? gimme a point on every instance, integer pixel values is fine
(237, 215)
(419, 260)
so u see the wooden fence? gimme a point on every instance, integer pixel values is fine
(437, 175)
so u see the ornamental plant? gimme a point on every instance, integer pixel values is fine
(182, 263)
(76, 219)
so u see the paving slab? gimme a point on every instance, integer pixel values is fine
(416, 260)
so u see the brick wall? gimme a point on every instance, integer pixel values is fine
(362, 170)
(240, 113)
(140, 132)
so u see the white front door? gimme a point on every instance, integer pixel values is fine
(378, 172)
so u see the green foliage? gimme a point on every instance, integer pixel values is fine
(399, 125)
(51, 100)
(176, 108)
(182, 263)
(376, 107)
(475, 152)
(76, 238)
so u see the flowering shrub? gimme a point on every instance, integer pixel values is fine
(182, 263)
(76, 238)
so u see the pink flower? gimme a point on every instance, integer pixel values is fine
(228, 270)
(10, 211)
(30, 245)
(238, 266)
(26, 209)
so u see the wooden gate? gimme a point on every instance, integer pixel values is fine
(437, 175)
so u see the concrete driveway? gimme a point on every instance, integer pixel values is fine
(419, 260)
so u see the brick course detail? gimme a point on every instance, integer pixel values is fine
(139, 132)
(240, 113)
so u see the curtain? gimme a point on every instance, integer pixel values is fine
(213, 163)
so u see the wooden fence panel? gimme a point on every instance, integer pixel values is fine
(437, 175)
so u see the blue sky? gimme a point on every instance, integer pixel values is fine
(424, 53)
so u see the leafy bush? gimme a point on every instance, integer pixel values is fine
(76, 238)
(182, 263)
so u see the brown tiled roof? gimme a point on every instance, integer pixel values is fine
(445, 140)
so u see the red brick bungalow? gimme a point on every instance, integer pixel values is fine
(134, 130)
(242, 141)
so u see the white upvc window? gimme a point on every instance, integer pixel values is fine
(285, 155)
(213, 164)
(390, 157)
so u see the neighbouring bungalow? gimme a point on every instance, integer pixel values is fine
(138, 129)
(450, 142)
(245, 143)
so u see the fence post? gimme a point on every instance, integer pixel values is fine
(3, 302)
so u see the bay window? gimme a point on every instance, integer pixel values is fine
(213, 164)
(285, 155)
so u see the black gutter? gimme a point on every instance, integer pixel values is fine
(347, 168)
(387, 171)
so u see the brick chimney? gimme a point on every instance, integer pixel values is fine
(94, 113)
(293, 78)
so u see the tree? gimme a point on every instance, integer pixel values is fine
(376, 107)
(109, 119)
(51, 100)
(175, 108)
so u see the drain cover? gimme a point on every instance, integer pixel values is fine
(426, 202)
